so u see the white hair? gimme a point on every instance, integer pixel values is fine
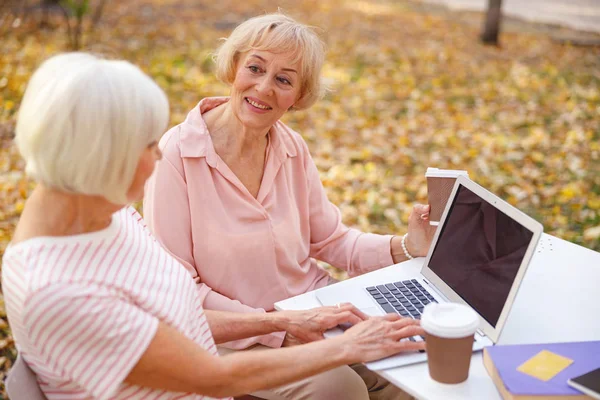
(84, 122)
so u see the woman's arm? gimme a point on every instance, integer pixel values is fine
(350, 249)
(306, 325)
(97, 340)
(245, 372)
(332, 241)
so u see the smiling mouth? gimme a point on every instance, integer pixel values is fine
(257, 105)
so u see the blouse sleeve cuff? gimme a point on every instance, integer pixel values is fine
(385, 252)
(273, 340)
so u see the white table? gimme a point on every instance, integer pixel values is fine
(559, 301)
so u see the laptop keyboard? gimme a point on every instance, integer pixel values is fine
(407, 298)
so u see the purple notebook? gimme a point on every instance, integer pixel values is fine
(507, 358)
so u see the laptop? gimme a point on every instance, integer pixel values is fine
(478, 257)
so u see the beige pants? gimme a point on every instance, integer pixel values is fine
(349, 382)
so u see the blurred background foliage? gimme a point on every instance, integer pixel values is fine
(410, 85)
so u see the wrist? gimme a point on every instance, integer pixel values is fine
(344, 349)
(397, 251)
(280, 320)
(408, 254)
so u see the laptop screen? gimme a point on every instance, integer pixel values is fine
(479, 252)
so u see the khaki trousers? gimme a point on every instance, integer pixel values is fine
(349, 382)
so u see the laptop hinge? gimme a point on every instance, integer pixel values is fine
(433, 288)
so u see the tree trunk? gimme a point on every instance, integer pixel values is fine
(98, 13)
(78, 33)
(492, 22)
(68, 23)
(47, 6)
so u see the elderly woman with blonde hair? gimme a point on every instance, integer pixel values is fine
(238, 201)
(97, 307)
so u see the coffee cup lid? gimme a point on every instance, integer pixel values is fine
(449, 320)
(444, 173)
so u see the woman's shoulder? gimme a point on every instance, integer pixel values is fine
(170, 142)
(190, 137)
(130, 213)
(36, 264)
(51, 258)
(33, 241)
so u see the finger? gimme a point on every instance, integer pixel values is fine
(352, 308)
(421, 209)
(348, 317)
(407, 345)
(405, 322)
(420, 213)
(407, 332)
(391, 317)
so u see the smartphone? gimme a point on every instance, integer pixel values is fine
(588, 383)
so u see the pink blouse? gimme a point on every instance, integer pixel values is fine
(247, 253)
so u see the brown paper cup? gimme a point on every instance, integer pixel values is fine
(449, 360)
(439, 187)
(449, 334)
(438, 192)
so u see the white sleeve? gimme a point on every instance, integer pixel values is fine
(90, 334)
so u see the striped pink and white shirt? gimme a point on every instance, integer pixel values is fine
(83, 309)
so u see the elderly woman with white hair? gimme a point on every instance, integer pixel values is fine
(97, 307)
(238, 201)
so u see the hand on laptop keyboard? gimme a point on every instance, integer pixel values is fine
(407, 298)
(380, 337)
(309, 325)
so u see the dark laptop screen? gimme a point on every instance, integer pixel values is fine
(479, 252)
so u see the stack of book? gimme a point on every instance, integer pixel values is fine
(539, 371)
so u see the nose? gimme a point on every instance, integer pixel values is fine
(264, 85)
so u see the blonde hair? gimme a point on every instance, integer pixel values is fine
(280, 34)
(84, 123)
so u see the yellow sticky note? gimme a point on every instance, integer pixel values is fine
(545, 365)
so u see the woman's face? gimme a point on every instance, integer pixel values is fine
(144, 170)
(266, 85)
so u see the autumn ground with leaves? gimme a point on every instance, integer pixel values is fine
(411, 87)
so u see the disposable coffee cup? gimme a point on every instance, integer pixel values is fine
(449, 334)
(439, 186)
